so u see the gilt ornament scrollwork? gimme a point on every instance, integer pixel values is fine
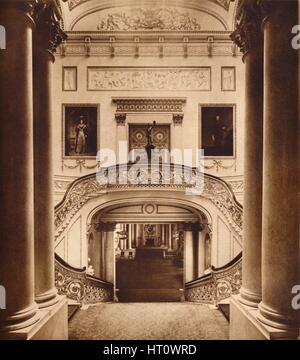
(80, 287)
(88, 187)
(217, 286)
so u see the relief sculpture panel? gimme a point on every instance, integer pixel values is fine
(151, 79)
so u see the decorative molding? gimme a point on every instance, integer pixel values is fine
(61, 185)
(237, 185)
(151, 19)
(91, 186)
(178, 119)
(79, 163)
(120, 118)
(148, 49)
(218, 164)
(149, 105)
(150, 209)
(149, 79)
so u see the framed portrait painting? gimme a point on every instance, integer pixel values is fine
(217, 124)
(80, 130)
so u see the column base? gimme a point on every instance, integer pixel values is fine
(52, 325)
(249, 299)
(244, 324)
(47, 299)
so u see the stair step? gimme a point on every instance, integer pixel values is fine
(72, 309)
(225, 309)
(149, 295)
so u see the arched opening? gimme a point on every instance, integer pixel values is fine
(148, 250)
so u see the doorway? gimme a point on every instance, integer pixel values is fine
(149, 262)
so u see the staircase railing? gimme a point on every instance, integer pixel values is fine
(80, 287)
(218, 285)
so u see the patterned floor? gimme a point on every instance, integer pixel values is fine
(148, 321)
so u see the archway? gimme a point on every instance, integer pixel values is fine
(139, 246)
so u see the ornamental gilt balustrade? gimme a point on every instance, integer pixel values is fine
(219, 285)
(174, 178)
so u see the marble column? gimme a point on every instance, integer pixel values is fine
(16, 163)
(188, 252)
(102, 263)
(109, 229)
(249, 38)
(163, 237)
(130, 233)
(201, 253)
(47, 36)
(280, 229)
(170, 237)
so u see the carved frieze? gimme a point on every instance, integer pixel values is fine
(149, 79)
(151, 19)
(149, 105)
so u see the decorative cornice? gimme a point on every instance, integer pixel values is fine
(48, 31)
(130, 105)
(248, 34)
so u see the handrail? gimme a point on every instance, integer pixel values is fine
(218, 285)
(79, 286)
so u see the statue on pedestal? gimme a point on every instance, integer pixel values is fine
(150, 146)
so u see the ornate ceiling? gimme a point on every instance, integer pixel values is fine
(223, 3)
(148, 15)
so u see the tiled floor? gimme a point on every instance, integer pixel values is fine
(149, 321)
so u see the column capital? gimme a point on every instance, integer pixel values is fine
(248, 34)
(49, 34)
(27, 6)
(120, 118)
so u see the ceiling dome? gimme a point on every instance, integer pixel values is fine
(148, 15)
